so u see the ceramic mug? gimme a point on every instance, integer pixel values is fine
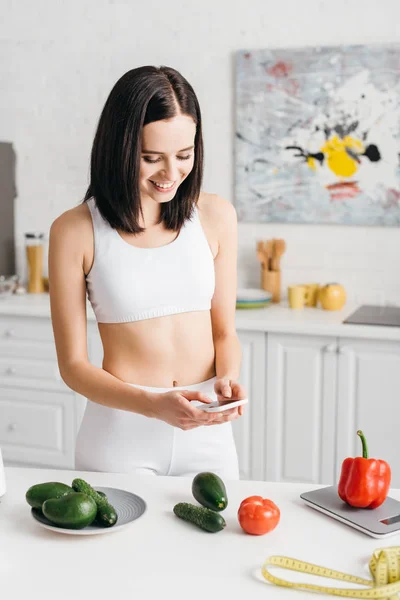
(311, 293)
(2, 477)
(297, 295)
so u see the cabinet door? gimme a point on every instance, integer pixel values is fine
(369, 399)
(301, 400)
(248, 429)
(37, 427)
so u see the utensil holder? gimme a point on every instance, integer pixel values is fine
(271, 282)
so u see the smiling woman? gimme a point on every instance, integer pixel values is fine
(165, 170)
(157, 258)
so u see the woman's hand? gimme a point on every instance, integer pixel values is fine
(176, 409)
(229, 390)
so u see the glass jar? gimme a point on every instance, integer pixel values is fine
(34, 256)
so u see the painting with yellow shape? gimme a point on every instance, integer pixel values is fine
(318, 135)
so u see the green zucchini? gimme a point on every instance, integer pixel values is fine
(204, 518)
(209, 490)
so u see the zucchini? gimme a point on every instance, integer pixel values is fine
(209, 490)
(204, 518)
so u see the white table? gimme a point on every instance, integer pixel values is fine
(161, 556)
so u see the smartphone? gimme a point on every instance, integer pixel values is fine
(221, 406)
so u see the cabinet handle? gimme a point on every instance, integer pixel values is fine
(11, 371)
(330, 348)
(12, 427)
(9, 333)
(344, 350)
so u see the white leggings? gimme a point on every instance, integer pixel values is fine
(119, 441)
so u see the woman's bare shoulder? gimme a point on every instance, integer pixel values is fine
(216, 209)
(74, 221)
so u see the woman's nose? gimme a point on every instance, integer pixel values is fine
(171, 171)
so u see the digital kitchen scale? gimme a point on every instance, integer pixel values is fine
(380, 522)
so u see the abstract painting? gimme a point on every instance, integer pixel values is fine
(318, 135)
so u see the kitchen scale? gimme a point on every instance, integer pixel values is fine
(380, 522)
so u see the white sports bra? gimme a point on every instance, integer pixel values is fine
(127, 283)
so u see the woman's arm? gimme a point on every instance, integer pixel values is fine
(228, 353)
(68, 236)
(227, 348)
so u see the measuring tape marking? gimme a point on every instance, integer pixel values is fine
(384, 567)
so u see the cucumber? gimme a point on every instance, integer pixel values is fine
(204, 518)
(37, 494)
(73, 511)
(106, 514)
(209, 490)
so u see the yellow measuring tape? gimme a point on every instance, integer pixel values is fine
(384, 567)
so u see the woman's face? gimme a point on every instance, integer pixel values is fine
(167, 157)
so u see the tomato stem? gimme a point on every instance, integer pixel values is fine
(364, 444)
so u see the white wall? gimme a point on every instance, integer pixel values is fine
(60, 60)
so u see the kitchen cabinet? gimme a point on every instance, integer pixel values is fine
(369, 399)
(248, 430)
(37, 426)
(300, 408)
(39, 415)
(320, 391)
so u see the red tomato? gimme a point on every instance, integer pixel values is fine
(258, 515)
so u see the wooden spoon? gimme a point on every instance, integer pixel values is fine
(279, 250)
(262, 254)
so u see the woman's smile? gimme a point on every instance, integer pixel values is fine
(163, 186)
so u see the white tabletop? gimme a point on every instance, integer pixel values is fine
(161, 556)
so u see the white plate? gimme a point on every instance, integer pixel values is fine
(252, 295)
(128, 507)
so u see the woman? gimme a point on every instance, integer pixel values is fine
(157, 258)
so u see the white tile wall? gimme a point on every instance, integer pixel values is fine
(60, 60)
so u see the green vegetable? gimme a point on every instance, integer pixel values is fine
(106, 514)
(209, 490)
(204, 518)
(74, 511)
(39, 493)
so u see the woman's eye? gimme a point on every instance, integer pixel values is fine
(150, 160)
(156, 160)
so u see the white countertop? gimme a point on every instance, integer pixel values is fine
(274, 318)
(161, 556)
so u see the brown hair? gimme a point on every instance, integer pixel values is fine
(139, 97)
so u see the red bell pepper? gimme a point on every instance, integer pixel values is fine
(364, 482)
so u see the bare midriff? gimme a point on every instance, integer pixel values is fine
(174, 350)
